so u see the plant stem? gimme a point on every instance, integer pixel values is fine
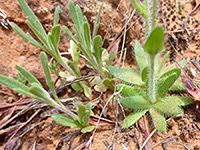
(154, 13)
(152, 80)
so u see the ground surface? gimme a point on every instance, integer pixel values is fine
(182, 133)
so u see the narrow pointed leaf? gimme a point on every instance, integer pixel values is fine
(65, 121)
(44, 61)
(132, 118)
(70, 34)
(27, 36)
(140, 56)
(73, 13)
(96, 24)
(87, 36)
(168, 108)
(178, 100)
(155, 41)
(12, 83)
(130, 90)
(167, 80)
(126, 74)
(40, 36)
(55, 36)
(135, 102)
(27, 75)
(38, 91)
(56, 16)
(158, 120)
(29, 94)
(31, 16)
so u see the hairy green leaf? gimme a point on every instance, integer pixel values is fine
(168, 108)
(70, 34)
(87, 36)
(155, 41)
(41, 37)
(96, 24)
(12, 83)
(84, 114)
(126, 74)
(140, 56)
(178, 100)
(66, 121)
(87, 129)
(172, 66)
(130, 90)
(135, 102)
(38, 91)
(55, 36)
(74, 15)
(27, 36)
(167, 80)
(27, 75)
(158, 120)
(56, 16)
(133, 118)
(97, 45)
(31, 16)
(145, 73)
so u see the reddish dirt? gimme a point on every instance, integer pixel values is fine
(182, 132)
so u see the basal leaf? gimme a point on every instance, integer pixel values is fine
(40, 36)
(55, 36)
(158, 120)
(70, 34)
(38, 91)
(66, 121)
(84, 115)
(167, 108)
(87, 129)
(44, 61)
(155, 41)
(133, 118)
(12, 83)
(87, 90)
(140, 56)
(31, 16)
(167, 80)
(178, 100)
(87, 36)
(73, 13)
(127, 74)
(27, 36)
(135, 102)
(27, 75)
(172, 66)
(145, 73)
(96, 24)
(97, 45)
(56, 16)
(130, 90)
(177, 86)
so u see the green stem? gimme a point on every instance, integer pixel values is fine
(154, 13)
(152, 80)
